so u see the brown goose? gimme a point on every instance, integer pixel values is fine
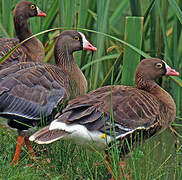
(146, 109)
(31, 50)
(30, 92)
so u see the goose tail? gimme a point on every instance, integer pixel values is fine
(47, 136)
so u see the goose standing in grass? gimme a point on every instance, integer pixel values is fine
(31, 50)
(31, 92)
(138, 112)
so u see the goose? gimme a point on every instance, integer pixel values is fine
(31, 50)
(116, 115)
(32, 92)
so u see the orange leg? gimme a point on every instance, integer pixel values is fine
(19, 144)
(108, 164)
(122, 166)
(175, 134)
(4, 127)
(29, 147)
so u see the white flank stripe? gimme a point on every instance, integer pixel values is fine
(81, 134)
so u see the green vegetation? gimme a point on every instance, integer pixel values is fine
(106, 24)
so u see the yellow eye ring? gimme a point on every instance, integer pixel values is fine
(159, 65)
(76, 38)
(32, 6)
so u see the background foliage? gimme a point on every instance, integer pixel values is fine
(160, 34)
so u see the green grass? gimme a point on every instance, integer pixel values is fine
(156, 159)
(161, 37)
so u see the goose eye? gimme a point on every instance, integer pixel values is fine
(76, 38)
(158, 65)
(32, 6)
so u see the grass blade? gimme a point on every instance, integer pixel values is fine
(3, 31)
(104, 58)
(135, 7)
(148, 11)
(163, 27)
(102, 10)
(131, 58)
(116, 15)
(177, 80)
(176, 9)
(6, 13)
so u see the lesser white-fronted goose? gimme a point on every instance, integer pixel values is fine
(145, 109)
(30, 92)
(31, 50)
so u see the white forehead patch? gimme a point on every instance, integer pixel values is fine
(167, 67)
(84, 40)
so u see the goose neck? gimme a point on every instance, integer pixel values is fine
(64, 59)
(153, 88)
(22, 27)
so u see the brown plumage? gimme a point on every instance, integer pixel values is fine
(31, 50)
(138, 112)
(30, 92)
